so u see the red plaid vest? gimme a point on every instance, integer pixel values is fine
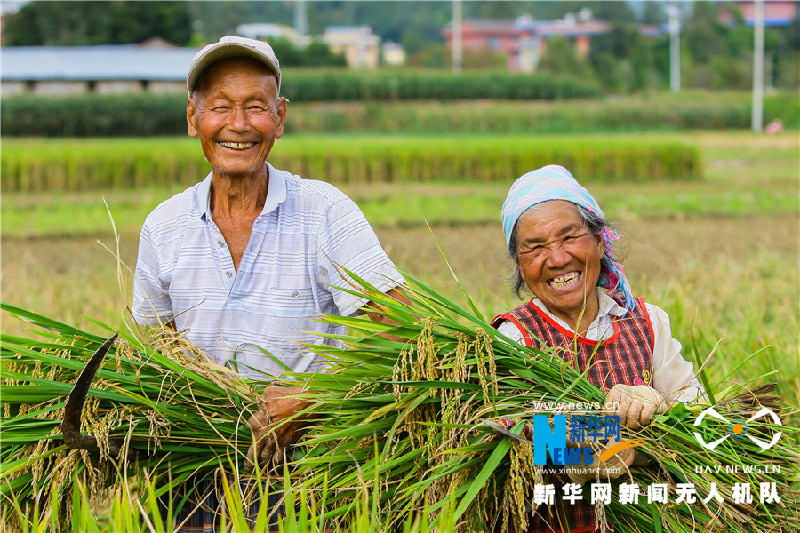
(626, 357)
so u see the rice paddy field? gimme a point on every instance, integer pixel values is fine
(720, 255)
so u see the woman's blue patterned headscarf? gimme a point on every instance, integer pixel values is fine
(554, 182)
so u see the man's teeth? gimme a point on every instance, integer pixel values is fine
(237, 146)
(564, 279)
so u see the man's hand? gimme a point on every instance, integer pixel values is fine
(637, 404)
(270, 436)
(375, 312)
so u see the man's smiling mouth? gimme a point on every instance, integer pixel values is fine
(237, 146)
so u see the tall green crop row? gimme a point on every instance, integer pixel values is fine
(390, 109)
(77, 172)
(308, 86)
(31, 166)
(604, 162)
(92, 115)
(503, 117)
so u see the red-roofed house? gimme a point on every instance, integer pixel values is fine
(524, 41)
(776, 12)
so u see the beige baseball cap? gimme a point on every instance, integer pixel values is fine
(233, 46)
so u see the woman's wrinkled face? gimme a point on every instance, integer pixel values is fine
(559, 258)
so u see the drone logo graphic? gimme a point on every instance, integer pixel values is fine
(737, 428)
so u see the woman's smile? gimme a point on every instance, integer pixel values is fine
(565, 281)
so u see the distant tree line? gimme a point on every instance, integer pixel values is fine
(718, 56)
(89, 23)
(125, 22)
(713, 55)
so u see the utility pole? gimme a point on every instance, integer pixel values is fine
(301, 17)
(674, 26)
(758, 69)
(456, 33)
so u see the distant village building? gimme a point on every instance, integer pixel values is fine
(267, 31)
(777, 13)
(360, 47)
(524, 40)
(154, 66)
(394, 55)
(653, 31)
(577, 31)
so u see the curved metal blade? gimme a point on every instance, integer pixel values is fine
(502, 429)
(71, 425)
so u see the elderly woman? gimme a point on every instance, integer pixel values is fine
(583, 307)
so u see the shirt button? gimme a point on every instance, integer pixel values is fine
(295, 294)
(229, 273)
(221, 243)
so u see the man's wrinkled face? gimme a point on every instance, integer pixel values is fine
(237, 115)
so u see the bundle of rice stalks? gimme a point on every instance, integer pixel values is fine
(170, 411)
(407, 420)
(401, 422)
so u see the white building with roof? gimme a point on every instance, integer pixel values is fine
(394, 55)
(62, 70)
(360, 47)
(267, 31)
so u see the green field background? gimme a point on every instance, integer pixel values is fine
(718, 252)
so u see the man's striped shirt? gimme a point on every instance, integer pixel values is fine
(258, 316)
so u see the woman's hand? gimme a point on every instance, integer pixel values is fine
(271, 435)
(638, 404)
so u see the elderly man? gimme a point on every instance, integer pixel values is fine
(245, 260)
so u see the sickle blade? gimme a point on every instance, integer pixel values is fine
(71, 426)
(502, 429)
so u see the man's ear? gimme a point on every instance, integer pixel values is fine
(191, 111)
(282, 110)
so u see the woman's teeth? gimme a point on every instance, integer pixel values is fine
(564, 279)
(237, 146)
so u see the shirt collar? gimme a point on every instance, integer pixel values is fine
(608, 305)
(276, 193)
(276, 190)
